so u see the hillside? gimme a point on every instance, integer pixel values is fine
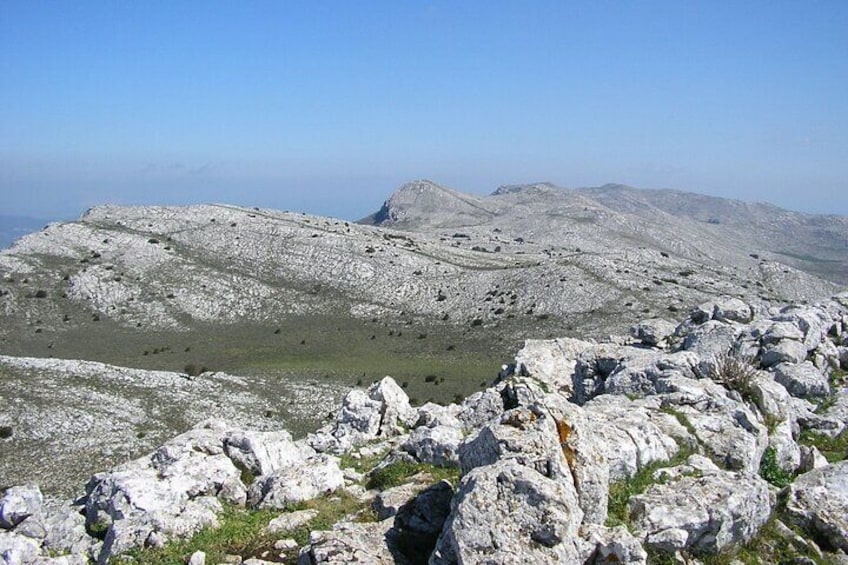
(722, 439)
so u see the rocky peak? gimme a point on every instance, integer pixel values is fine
(535, 188)
(423, 202)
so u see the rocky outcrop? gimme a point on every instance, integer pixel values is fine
(817, 502)
(700, 420)
(700, 508)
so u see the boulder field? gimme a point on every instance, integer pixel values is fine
(685, 440)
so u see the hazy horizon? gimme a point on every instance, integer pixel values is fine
(328, 107)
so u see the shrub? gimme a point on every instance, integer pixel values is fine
(770, 469)
(5, 432)
(40, 294)
(735, 372)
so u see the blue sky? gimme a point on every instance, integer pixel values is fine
(327, 107)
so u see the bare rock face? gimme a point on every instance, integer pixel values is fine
(18, 504)
(383, 410)
(701, 510)
(817, 502)
(509, 513)
(310, 478)
(352, 542)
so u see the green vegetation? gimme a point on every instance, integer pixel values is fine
(833, 448)
(735, 372)
(770, 469)
(397, 473)
(620, 492)
(242, 532)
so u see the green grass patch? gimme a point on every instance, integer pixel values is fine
(833, 448)
(242, 532)
(395, 474)
(620, 492)
(770, 545)
(771, 471)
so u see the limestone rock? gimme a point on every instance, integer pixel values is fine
(438, 445)
(16, 549)
(263, 452)
(785, 351)
(818, 502)
(290, 520)
(481, 408)
(508, 513)
(389, 501)
(551, 361)
(395, 410)
(353, 542)
(19, 503)
(611, 546)
(318, 475)
(527, 434)
(701, 514)
(653, 332)
(801, 379)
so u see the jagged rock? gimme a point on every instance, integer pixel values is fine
(785, 351)
(16, 549)
(811, 458)
(632, 434)
(382, 411)
(290, 520)
(438, 445)
(387, 502)
(527, 434)
(818, 502)
(596, 364)
(262, 453)
(508, 513)
(647, 375)
(611, 546)
(839, 409)
(395, 411)
(353, 542)
(66, 532)
(701, 514)
(197, 558)
(171, 492)
(724, 309)
(720, 421)
(787, 451)
(19, 503)
(801, 379)
(711, 340)
(423, 518)
(551, 361)
(432, 415)
(771, 398)
(317, 475)
(481, 408)
(653, 332)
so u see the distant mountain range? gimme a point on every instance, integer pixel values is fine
(688, 224)
(525, 261)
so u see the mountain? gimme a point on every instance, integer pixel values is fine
(610, 217)
(264, 304)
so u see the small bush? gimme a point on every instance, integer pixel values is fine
(770, 469)
(735, 372)
(6, 432)
(40, 294)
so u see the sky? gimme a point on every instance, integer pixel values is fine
(328, 106)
